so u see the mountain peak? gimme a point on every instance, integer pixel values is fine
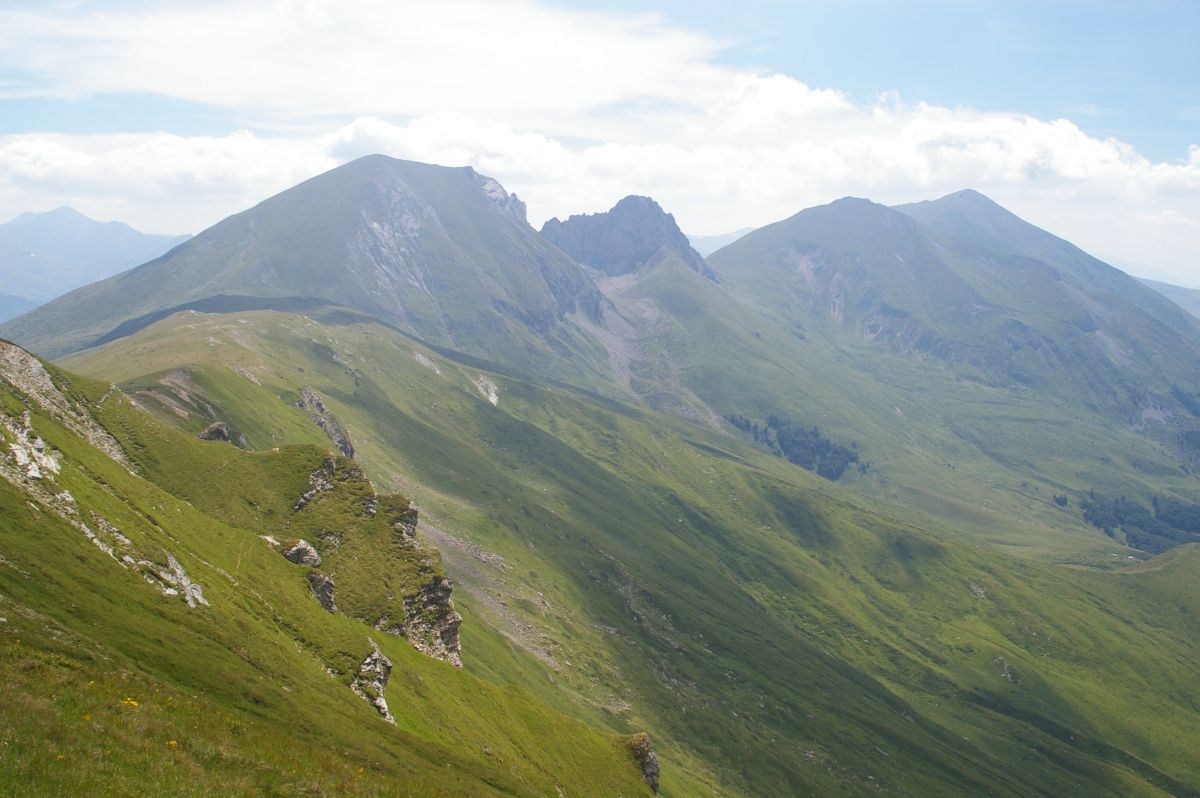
(623, 239)
(62, 215)
(396, 240)
(967, 203)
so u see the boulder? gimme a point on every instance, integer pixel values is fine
(639, 744)
(322, 588)
(303, 553)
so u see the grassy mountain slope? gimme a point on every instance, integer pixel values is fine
(847, 318)
(772, 630)
(970, 217)
(442, 253)
(116, 685)
(1014, 316)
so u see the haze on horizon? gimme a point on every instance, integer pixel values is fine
(1079, 117)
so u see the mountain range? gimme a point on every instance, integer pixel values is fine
(43, 255)
(869, 500)
(1186, 298)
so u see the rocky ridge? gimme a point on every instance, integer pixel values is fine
(359, 537)
(633, 233)
(311, 401)
(33, 467)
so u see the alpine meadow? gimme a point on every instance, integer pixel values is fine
(393, 483)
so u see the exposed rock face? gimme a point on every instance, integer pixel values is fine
(29, 377)
(319, 481)
(30, 451)
(620, 241)
(404, 527)
(507, 203)
(216, 431)
(303, 553)
(190, 591)
(312, 402)
(487, 389)
(322, 588)
(370, 682)
(639, 744)
(431, 623)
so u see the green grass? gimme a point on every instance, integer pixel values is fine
(253, 687)
(774, 632)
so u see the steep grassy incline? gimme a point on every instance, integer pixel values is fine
(153, 643)
(773, 631)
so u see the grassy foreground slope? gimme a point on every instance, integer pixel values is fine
(774, 632)
(121, 681)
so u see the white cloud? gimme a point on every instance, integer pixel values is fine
(296, 59)
(570, 110)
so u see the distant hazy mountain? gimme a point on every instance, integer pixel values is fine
(979, 222)
(1186, 298)
(635, 232)
(13, 306)
(445, 254)
(707, 245)
(43, 255)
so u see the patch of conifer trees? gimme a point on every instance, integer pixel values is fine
(1168, 523)
(802, 446)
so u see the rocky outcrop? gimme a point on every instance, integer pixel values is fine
(632, 234)
(26, 374)
(303, 553)
(322, 588)
(319, 481)
(216, 431)
(508, 204)
(29, 450)
(487, 389)
(643, 754)
(311, 401)
(370, 683)
(404, 526)
(397, 585)
(178, 578)
(431, 622)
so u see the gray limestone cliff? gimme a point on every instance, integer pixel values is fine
(635, 232)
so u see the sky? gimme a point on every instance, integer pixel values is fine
(1082, 117)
